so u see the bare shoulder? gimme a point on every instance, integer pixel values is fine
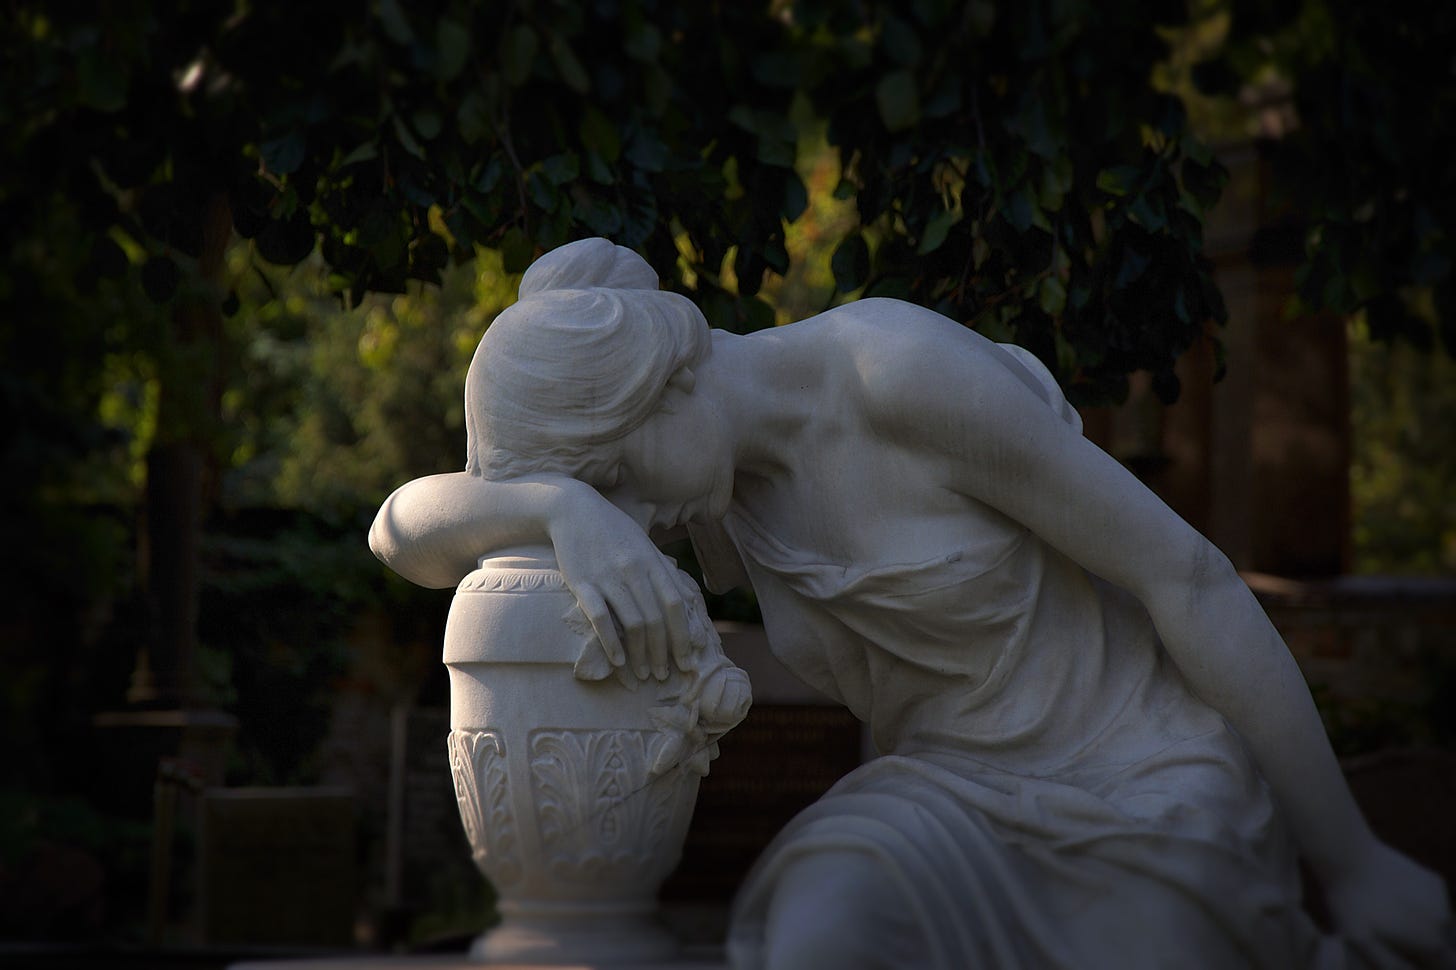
(899, 356)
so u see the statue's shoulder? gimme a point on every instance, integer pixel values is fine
(886, 324)
(892, 340)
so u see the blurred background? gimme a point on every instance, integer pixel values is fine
(250, 250)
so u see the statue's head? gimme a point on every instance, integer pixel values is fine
(580, 360)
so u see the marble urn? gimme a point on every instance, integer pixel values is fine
(575, 780)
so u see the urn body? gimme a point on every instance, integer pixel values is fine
(554, 774)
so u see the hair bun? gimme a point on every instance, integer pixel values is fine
(588, 264)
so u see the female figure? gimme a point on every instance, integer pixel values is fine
(1095, 749)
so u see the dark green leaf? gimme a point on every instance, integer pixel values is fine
(248, 201)
(901, 43)
(107, 258)
(776, 256)
(286, 242)
(516, 251)
(599, 171)
(159, 278)
(647, 151)
(366, 152)
(1031, 123)
(776, 69)
(490, 175)
(890, 287)
(452, 48)
(598, 215)
(719, 309)
(898, 100)
(1180, 306)
(540, 191)
(406, 140)
(643, 42)
(850, 263)
(947, 98)
(935, 231)
(1052, 295)
(562, 168)
(1134, 265)
(1019, 209)
(780, 154)
(1119, 180)
(102, 83)
(473, 118)
(599, 135)
(283, 155)
(572, 73)
(749, 267)
(1056, 182)
(429, 254)
(1147, 211)
(796, 197)
(756, 314)
(657, 89)
(518, 53)
(981, 17)
(396, 24)
(428, 123)
(640, 219)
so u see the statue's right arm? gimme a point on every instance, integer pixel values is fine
(433, 531)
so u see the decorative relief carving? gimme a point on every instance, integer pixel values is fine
(602, 812)
(507, 580)
(478, 764)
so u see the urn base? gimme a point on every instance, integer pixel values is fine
(574, 936)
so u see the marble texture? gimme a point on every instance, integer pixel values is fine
(1095, 750)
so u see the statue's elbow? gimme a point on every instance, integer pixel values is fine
(384, 538)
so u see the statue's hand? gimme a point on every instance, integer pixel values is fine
(626, 587)
(1392, 912)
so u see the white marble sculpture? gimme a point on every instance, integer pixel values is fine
(1095, 749)
(576, 780)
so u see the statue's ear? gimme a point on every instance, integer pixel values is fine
(683, 379)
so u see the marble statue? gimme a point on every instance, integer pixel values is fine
(1094, 748)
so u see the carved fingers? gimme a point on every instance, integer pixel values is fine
(648, 615)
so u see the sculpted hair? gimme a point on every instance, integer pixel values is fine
(581, 359)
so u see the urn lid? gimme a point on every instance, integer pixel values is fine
(516, 608)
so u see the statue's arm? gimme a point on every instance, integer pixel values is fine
(996, 442)
(433, 530)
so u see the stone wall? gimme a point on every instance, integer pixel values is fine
(1379, 652)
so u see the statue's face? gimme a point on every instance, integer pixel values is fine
(674, 468)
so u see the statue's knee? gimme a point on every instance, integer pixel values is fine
(836, 910)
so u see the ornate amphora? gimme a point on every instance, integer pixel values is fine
(576, 781)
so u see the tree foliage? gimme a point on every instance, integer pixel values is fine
(1013, 166)
(1364, 171)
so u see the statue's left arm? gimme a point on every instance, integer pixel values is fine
(993, 440)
